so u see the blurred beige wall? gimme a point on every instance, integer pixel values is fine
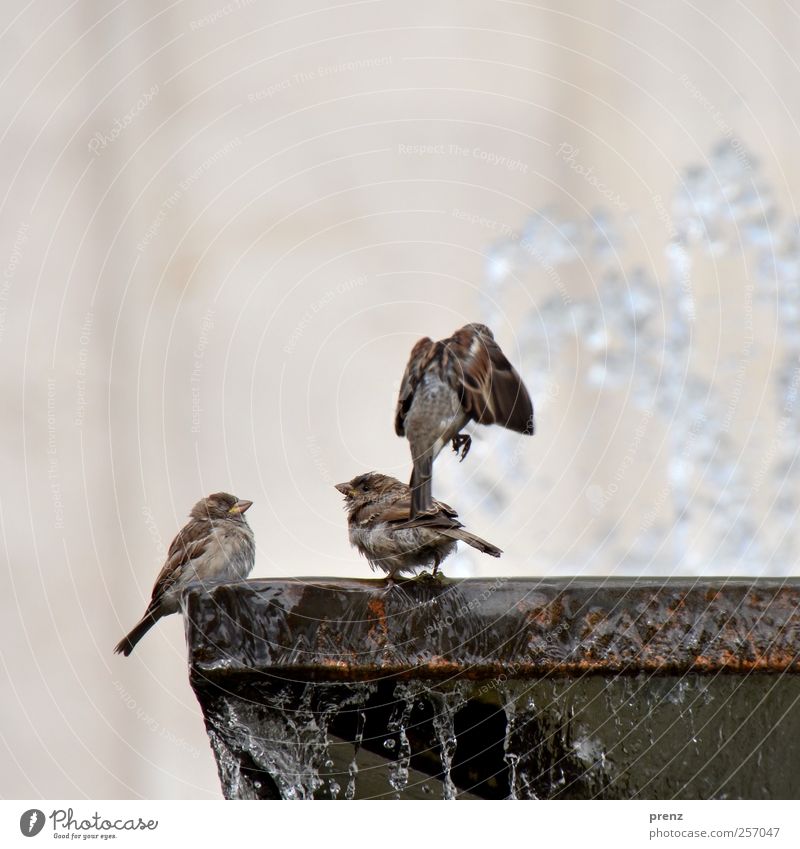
(224, 226)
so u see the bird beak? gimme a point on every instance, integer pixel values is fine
(344, 488)
(241, 507)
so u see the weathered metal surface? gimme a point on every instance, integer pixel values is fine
(349, 630)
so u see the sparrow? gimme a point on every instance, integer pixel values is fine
(216, 544)
(447, 384)
(380, 527)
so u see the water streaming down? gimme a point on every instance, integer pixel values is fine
(398, 744)
(307, 741)
(352, 767)
(445, 706)
(629, 736)
(276, 743)
(647, 737)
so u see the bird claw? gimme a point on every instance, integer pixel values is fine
(462, 442)
(435, 577)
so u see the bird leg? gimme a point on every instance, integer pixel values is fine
(462, 442)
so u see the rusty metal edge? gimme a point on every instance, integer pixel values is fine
(687, 605)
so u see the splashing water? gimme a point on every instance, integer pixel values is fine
(446, 704)
(641, 340)
(644, 736)
(352, 769)
(406, 695)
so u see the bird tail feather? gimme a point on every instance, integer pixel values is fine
(421, 488)
(127, 644)
(474, 541)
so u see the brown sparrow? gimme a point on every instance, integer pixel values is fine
(447, 384)
(381, 528)
(216, 544)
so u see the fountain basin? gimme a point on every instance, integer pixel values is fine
(529, 688)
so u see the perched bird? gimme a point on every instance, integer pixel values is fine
(380, 526)
(447, 384)
(216, 544)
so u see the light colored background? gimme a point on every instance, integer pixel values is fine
(259, 242)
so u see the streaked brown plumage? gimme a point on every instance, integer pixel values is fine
(447, 384)
(216, 544)
(380, 527)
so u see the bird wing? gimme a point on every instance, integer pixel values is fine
(191, 542)
(491, 390)
(421, 355)
(397, 514)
